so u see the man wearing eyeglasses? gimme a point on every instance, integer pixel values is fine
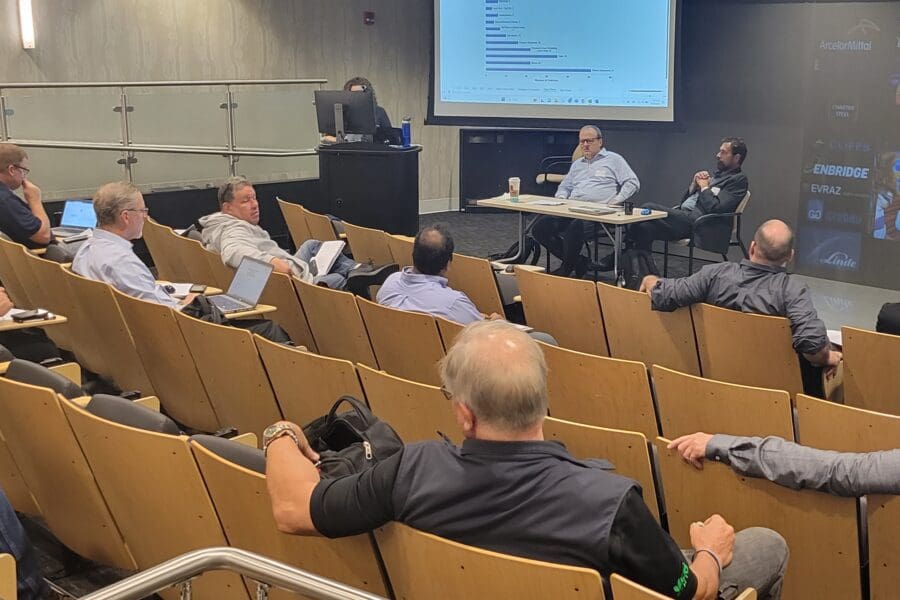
(599, 176)
(23, 221)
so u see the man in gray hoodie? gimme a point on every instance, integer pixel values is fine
(234, 233)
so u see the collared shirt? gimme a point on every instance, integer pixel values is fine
(800, 467)
(408, 290)
(530, 499)
(726, 190)
(606, 179)
(16, 219)
(751, 288)
(110, 258)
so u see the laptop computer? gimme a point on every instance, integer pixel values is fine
(78, 215)
(246, 287)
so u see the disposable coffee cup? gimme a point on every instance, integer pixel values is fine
(628, 207)
(514, 185)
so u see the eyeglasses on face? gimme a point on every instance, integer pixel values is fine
(25, 170)
(145, 211)
(447, 393)
(588, 140)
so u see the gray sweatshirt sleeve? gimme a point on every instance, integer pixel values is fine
(801, 467)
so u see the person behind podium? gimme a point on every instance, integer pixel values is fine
(382, 121)
(600, 176)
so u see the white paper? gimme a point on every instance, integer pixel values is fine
(181, 289)
(547, 203)
(835, 337)
(327, 254)
(9, 315)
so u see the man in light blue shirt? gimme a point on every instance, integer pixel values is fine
(108, 254)
(599, 176)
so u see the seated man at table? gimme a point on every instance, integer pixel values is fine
(234, 233)
(599, 176)
(759, 285)
(509, 490)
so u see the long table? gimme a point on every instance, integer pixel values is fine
(529, 203)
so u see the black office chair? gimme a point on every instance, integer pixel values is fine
(716, 232)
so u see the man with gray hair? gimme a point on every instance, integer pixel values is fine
(759, 285)
(508, 490)
(234, 233)
(599, 176)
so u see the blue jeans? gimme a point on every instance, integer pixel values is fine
(29, 583)
(336, 279)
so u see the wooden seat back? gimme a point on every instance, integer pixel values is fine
(193, 256)
(449, 331)
(295, 219)
(368, 245)
(280, 292)
(320, 227)
(871, 370)
(475, 278)
(625, 589)
(169, 266)
(222, 273)
(15, 288)
(401, 249)
(86, 345)
(56, 297)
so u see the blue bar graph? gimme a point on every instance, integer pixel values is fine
(492, 29)
(520, 55)
(491, 15)
(540, 70)
(501, 42)
(507, 62)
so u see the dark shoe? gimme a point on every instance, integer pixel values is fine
(363, 276)
(604, 264)
(582, 267)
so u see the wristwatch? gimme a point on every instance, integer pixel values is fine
(273, 432)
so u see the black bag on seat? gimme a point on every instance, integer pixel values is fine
(351, 441)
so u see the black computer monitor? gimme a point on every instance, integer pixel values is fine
(357, 108)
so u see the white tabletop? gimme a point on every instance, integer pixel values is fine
(534, 204)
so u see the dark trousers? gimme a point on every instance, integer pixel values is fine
(13, 540)
(676, 226)
(563, 238)
(29, 344)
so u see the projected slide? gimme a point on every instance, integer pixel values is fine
(557, 60)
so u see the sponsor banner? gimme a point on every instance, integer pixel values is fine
(822, 248)
(820, 210)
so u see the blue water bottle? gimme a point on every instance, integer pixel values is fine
(406, 132)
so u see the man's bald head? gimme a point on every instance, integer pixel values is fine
(432, 249)
(500, 374)
(774, 242)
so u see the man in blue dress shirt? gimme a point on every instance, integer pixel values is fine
(599, 176)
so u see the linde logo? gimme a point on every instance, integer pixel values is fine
(840, 260)
(845, 46)
(841, 171)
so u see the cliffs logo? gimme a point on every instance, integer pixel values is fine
(830, 249)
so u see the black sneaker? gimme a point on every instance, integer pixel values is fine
(363, 276)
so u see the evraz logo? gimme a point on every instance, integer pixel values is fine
(840, 260)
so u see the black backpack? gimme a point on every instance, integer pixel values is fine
(637, 264)
(351, 441)
(531, 255)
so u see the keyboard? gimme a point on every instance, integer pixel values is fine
(591, 210)
(228, 304)
(63, 232)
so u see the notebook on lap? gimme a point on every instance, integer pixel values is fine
(78, 215)
(246, 287)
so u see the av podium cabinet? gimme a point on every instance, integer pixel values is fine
(372, 185)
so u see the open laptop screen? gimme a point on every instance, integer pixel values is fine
(250, 280)
(78, 213)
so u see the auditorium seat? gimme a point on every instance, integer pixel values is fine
(823, 424)
(335, 322)
(746, 348)
(820, 530)
(169, 266)
(368, 245)
(626, 450)
(449, 330)
(15, 288)
(416, 411)
(56, 298)
(295, 219)
(153, 488)
(58, 474)
(688, 404)
(401, 249)
(235, 477)
(475, 278)
(168, 362)
(624, 589)
(232, 373)
(566, 308)
(422, 565)
(871, 370)
(29, 290)
(193, 256)
(306, 384)
(636, 332)
(406, 344)
(280, 292)
(595, 390)
(222, 274)
(320, 226)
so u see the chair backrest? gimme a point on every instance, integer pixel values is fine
(15, 253)
(566, 308)
(335, 322)
(401, 249)
(232, 373)
(475, 278)
(12, 482)
(280, 292)
(295, 220)
(193, 257)
(108, 325)
(625, 589)
(58, 475)
(626, 450)
(764, 357)
(168, 264)
(449, 330)
(688, 404)
(871, 369)
(741, 207)
(16, 289)
(320, 227)
(85, 344)
(637, 332)
(141, 474)
(168, 362)
(306, 384)
(222, 273)
(422, 565)
(407, 344)
(595, 390)
(243, 505)
(54, 295)
(820, 529)
(415, 410)
(861, 431)
(368, 245)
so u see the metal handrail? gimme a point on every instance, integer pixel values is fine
(265, 571)
(96, 84)
(216, 150)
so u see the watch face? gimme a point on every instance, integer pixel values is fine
(270, 431)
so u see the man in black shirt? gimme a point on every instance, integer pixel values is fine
(508, 490)
(24, 222)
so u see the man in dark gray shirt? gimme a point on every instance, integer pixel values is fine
(760, 285)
